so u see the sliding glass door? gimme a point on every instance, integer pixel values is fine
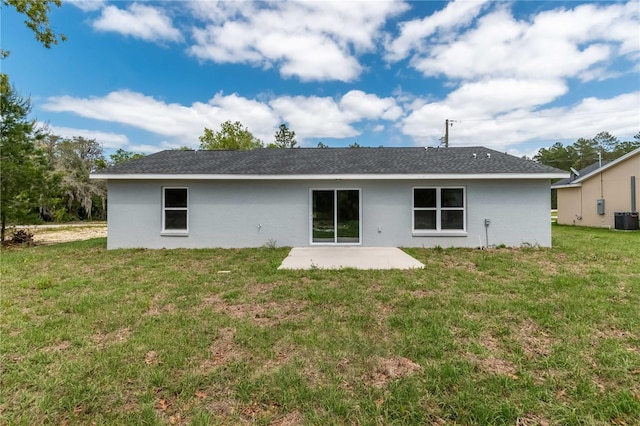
(335, 216)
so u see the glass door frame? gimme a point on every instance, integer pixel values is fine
(335, 217)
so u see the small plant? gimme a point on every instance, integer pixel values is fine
(44, 283)
(271, 244)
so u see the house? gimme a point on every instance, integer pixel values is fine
(597, 194)
(408, 197)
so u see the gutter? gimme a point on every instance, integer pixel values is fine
(433, 176)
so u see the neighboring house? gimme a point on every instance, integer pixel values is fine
(409, 197)
(593, 196)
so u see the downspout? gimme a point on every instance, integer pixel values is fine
(633, 194)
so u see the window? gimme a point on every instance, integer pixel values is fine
(175, 218)
(438, 209)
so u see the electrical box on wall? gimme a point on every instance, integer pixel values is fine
(601, 206)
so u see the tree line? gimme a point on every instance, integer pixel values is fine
(584, 151)
(43, 176)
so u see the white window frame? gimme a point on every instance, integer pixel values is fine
(165, 209)
(439, 209)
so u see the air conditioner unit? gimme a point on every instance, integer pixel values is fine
(627, 221)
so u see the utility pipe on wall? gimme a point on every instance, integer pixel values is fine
(633, 194)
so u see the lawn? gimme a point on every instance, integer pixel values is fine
(505, 336)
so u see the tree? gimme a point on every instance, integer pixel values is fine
(355, 145)
(122, 156)
(37, 14)
(285, 138)
(232, 136)
(22, 164)
(76, 158)
(322, 145)
(584, 152)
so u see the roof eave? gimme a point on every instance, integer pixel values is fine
(568, 185)
(426, 176)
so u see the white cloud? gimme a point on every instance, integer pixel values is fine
(182, 123)
(496, 96)
(314, 117)
(108, 140)
(413, 33)
(138, 21)
(498, 45)
(313, 41)
(367, 105)
(324, 117)
(88, 5)
(310, 117)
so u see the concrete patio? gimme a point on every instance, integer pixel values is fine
(349, 257)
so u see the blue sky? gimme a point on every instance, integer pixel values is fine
(514, 76)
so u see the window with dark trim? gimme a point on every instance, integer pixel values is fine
(175, 209)
(439, 209)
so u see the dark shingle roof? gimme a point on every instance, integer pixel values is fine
(590, 168)
(330, 161)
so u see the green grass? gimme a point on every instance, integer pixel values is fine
(504, 336)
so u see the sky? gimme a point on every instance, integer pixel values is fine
(513, 76)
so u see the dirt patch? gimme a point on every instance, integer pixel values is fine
(291, 419)
(54, 234)
(104, 339)
(223, 347)
(613, 333)
(534, 341)
(152, 358)
(156, 308)
(532, 420)
(492, 363)
(58, 347)
(387, 369)
(263, 314)
(457, 262)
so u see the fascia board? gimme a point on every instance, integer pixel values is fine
(434, 176)
(570, 185)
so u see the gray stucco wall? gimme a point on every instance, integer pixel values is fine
(253, 213)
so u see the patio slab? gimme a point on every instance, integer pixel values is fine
(349, 257)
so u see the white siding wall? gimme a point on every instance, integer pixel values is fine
(228, 214)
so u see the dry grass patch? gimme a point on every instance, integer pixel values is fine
(223, 348)
(101, 339)
(459, 262)
(157, 307)
(385, 370)
(534, 341)
(264, 314)
(294, 418)
(532, 420)
(494, 362)
(57, 347)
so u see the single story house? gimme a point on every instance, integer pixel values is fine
(593, 196)
(407, 197)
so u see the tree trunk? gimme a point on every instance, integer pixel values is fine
(4, 225)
